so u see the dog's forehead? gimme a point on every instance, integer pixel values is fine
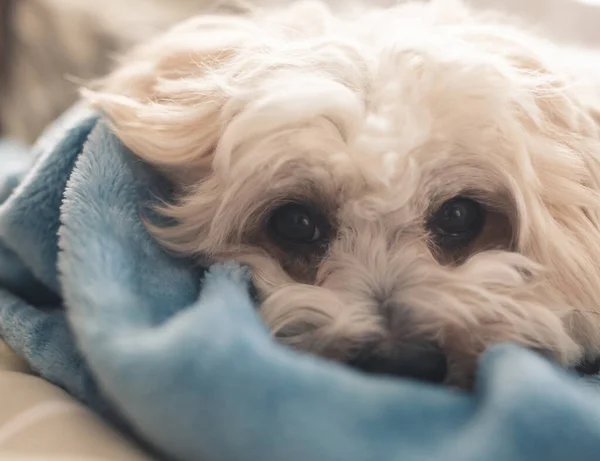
(407, 126)
(418, 117)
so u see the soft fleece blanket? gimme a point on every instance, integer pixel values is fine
(179, 356)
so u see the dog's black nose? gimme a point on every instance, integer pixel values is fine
(424, 362)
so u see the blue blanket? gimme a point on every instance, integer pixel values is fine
(178, 355)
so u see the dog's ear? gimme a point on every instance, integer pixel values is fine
(164, 100)
(167, 98)
(559, 180)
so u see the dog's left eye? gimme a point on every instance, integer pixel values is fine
(458, 221)
(295, 223)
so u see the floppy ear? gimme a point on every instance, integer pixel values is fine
(560, 217)
(165, 98)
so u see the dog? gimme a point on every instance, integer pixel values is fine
(408, 185)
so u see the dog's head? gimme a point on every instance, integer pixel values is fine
(408, 186)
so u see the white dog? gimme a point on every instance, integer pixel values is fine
(408, 185)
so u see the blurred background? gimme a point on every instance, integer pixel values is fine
(574, 21)
(48, 47)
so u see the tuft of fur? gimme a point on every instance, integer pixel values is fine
(379, 117)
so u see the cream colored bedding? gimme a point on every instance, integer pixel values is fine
(40, 422)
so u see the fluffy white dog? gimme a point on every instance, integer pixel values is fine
(408, 185)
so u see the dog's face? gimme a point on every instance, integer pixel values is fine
(408, 188)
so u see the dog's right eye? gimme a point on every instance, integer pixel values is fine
(457, 222)
(295, 223)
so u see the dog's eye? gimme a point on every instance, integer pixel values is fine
(458, 221)
(295, 223)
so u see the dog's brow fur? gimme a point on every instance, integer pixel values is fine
(385, 115)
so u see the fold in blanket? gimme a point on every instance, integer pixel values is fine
(94, 305)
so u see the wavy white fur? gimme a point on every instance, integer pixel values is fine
(380, 116)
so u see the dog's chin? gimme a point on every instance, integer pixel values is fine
(375, 354)
(428, 363)
(420, 360)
